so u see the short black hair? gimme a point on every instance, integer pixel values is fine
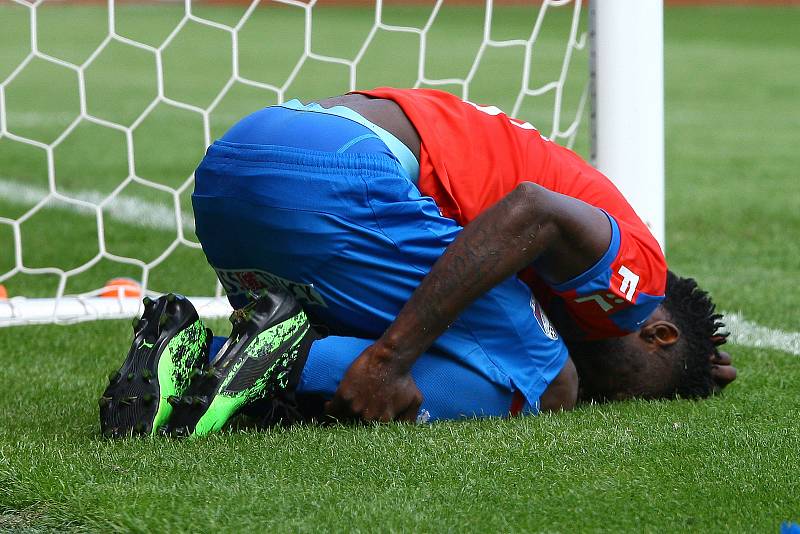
(692, 311)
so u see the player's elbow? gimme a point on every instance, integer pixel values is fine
(531, 207)
(533, 217)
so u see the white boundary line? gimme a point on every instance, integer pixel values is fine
(750, 334)
(129, 210)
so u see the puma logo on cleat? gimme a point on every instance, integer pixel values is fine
(145, 344)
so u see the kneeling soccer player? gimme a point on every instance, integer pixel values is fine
(424, 231)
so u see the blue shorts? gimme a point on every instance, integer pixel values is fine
(287, 200)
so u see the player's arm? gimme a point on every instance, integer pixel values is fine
(560, 235)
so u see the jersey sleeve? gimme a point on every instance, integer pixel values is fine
(619, 293)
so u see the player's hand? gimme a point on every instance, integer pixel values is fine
(374, 390)
(722, 372)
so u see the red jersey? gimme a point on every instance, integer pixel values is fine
(472, 155)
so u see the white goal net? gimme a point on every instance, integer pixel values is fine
(105, 109)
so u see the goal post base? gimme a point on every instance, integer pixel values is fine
(19, 311)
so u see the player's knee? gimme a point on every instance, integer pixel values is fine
(562, 393)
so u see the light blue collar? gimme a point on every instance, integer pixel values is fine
(398, 148)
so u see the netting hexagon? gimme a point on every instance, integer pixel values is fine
(168, 143)
(271, 43)
(197, 63)
(61, 233)
(121, 81)
(70, 33)
(141, 222)
(105, 110)
(90, 153)
(42, 100)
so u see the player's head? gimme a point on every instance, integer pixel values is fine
(674, 354)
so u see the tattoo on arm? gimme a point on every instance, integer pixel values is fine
(500, 242)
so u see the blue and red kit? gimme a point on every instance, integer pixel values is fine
(332, 208)
(473, 155)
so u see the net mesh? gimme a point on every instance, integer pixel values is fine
(105, 109)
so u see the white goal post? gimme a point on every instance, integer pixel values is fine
(628, 102)
(623, 40)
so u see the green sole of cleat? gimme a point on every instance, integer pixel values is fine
(220, 411)
(259, 370)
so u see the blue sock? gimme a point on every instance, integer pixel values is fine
(216, 344)
(450, 390)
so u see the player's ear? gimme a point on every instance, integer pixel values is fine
(660, 333)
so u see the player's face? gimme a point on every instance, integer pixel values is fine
(637, 365)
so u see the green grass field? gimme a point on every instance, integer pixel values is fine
(733, 206)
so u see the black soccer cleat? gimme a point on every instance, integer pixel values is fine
(261, 360)
(170, 342)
